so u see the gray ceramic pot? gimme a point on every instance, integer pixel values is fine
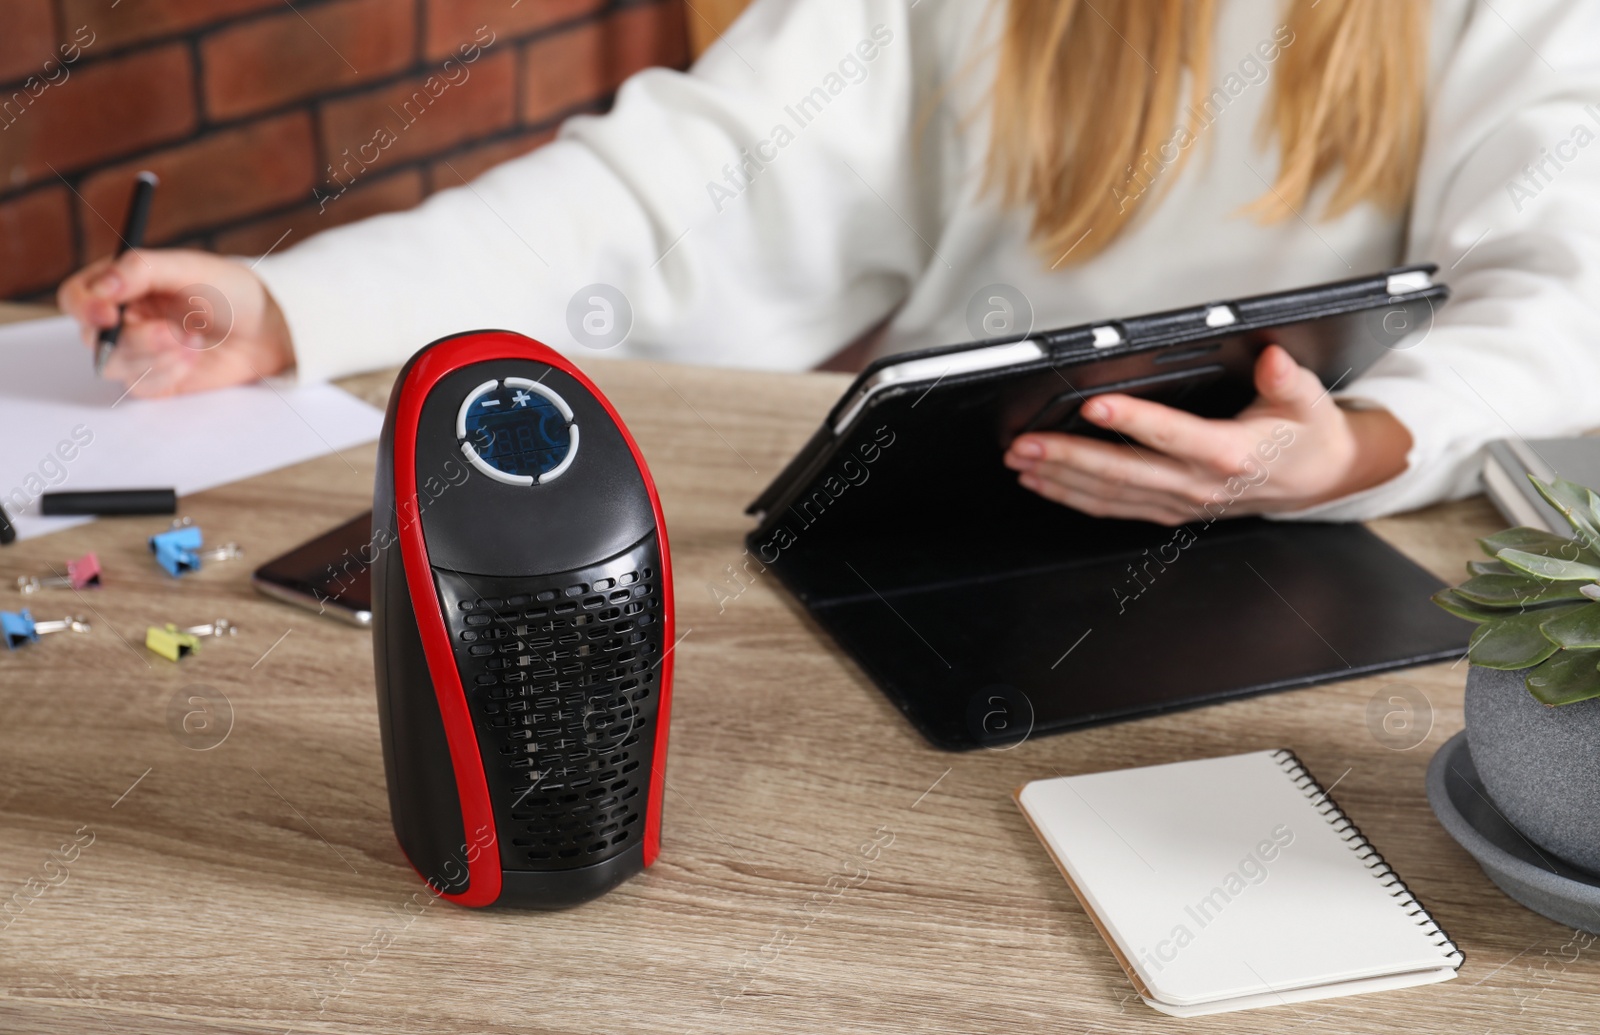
(1540, 765)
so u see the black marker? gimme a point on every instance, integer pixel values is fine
(109, 502)
(144, 188)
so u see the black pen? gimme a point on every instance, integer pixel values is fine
(144, 187)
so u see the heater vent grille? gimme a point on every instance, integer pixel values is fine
(562, 675)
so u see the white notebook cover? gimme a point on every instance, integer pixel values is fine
(1228, 883)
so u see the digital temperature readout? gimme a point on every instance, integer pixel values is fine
(517, 431)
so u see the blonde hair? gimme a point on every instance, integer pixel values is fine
(1086, 98)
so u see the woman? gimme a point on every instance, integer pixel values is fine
(828, 169)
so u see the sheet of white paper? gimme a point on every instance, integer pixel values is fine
(64, 429)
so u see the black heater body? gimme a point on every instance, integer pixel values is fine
(522, 627)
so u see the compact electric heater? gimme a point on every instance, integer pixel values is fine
(522, 621)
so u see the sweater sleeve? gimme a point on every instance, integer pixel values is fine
(759, 211)
(1507, 204)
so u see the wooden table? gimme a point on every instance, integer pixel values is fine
(256, 886)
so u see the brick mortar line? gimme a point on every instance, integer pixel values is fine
(319, 150)
(58, 21)
(198, 88)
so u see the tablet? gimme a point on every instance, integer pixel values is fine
(987, 614)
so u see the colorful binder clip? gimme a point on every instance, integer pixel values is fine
(20, 629)
(178, 550)
(83, 573)
(174, 643)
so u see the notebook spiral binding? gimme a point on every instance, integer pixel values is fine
(1351, 834)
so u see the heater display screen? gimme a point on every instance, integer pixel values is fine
(517, 431)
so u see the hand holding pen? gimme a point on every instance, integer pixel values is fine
(144, 189)
(181, 320)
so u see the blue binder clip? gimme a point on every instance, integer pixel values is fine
(20, 629)
(178, 549)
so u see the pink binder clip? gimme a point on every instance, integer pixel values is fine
(83, 573)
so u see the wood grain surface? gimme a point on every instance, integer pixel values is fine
(257, 887)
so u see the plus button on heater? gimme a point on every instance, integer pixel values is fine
(522, 621)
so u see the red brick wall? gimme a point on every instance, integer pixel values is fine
(268, 122)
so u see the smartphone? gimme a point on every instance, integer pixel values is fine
(327, 575)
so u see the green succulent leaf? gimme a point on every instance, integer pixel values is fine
(1577, 629)
(1461, 607)
(1537, 540)
(1513, 642)
(1566, 677)
(1537, 602)
(1517, 591)
(1572, 500)
(1555, 568)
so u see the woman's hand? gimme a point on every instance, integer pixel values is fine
(1291, 448)
(194, 321)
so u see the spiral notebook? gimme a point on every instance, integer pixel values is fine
(1230, 883)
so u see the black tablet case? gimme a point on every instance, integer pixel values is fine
(988, 615)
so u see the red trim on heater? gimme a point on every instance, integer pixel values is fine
(472, 787)
(439, 360)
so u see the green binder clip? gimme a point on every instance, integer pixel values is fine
(174, 643)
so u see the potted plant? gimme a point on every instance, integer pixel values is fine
(1533, 691)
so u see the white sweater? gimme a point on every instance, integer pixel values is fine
(850, 216)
